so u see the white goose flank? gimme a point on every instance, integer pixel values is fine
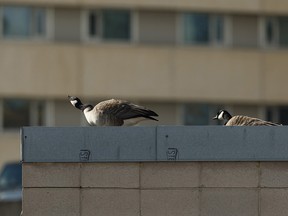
(113, 112)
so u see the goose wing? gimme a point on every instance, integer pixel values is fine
(248, 121)
(124, 110)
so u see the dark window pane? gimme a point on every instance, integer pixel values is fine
(116, 24)
(270, 32)
(16, 113)
(16, 21)
(197, 114)
(196, 28)
(92, 24)
(269, 114)
(283, 112)
(283, 31)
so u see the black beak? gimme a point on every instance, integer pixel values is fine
(215, 118)
(71, 97)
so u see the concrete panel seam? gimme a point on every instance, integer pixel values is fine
(259, 201)
(259, 173)
(200, 175)
(80, 193)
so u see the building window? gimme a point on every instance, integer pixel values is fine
(271, 31)
(23, 22)
(65, 115)
(116, 24)
(283, 31)
(276, 31)
(277, 114)
(196, 28)
(15, 113)
(109, 25)
(200, 114)
(202, 28)
(18, 113)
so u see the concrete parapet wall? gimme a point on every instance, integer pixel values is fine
(162, 188)
(155, 171)
(154, 143)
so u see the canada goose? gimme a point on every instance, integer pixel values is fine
(113, 112)
(240, 120)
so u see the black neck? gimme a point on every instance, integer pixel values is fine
(79, 105)
(84, 106)
(227, 116)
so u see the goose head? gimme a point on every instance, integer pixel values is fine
(223, 115)
(76, 102)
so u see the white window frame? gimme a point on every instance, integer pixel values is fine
(180, 33)
(262, 31)
(50, 23)
(134, 26)
(49, 113)
(228, 28)
(213, 30)
(35, 114)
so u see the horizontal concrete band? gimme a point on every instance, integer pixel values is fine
(155, 143)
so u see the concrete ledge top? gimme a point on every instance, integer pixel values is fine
(154, 143)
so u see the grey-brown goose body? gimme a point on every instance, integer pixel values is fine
(241, 120)
(114, 112)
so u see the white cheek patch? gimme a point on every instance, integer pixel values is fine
(73, 102)
(220, 117)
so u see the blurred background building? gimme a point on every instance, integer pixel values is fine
(183, 59)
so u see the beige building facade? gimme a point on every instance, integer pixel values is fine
(153, 188)
(183, 59)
